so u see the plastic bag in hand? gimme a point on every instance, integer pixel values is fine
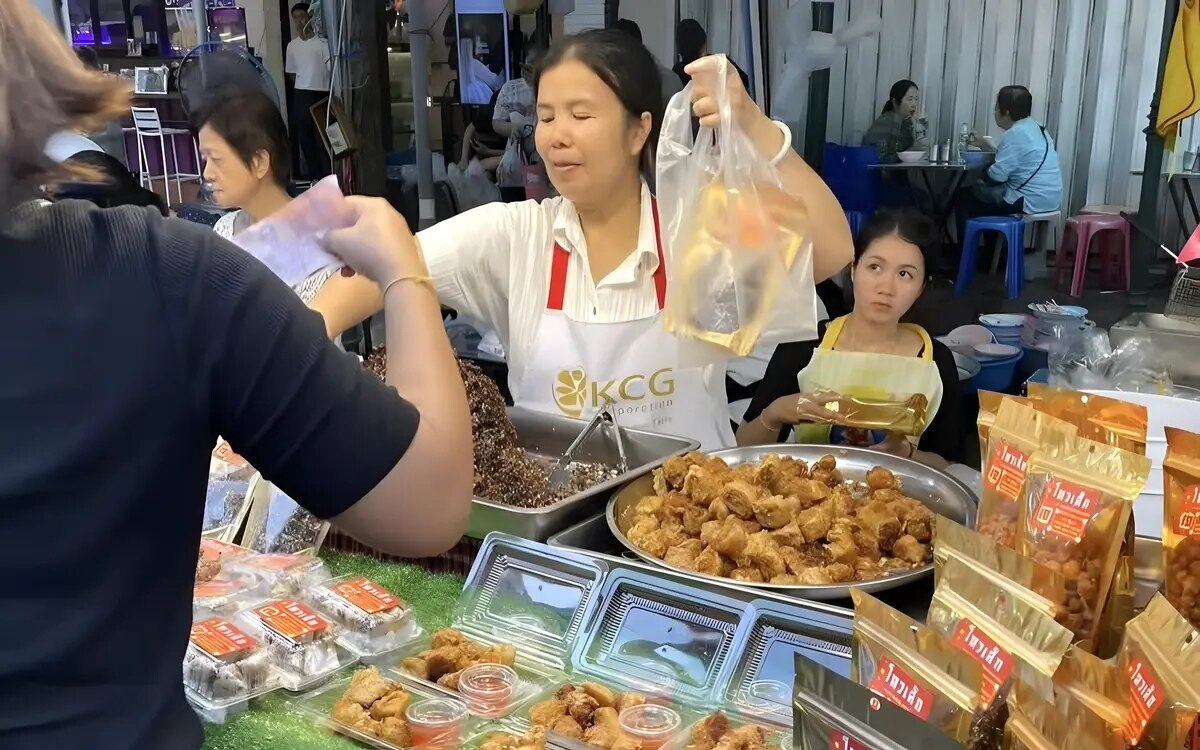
(287, 242)
(736, 244)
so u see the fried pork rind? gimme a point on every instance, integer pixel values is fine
(781, 521)
(589, 713)
(375, 706)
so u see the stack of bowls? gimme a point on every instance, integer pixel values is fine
(1005, 327)
(1048, 315)
(997, 366)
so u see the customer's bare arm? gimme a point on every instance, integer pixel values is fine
(346, 301)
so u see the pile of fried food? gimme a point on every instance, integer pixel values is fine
(780, 521)
(588, 712)
(450, 652)
(375, 706)
(534, 739)
(716, 732)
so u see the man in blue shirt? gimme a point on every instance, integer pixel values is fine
(1025, 177)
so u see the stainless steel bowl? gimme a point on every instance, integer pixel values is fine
(940, 492)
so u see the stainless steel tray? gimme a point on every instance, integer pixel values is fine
(942, 493)
(548, 436)
(1147, 569)
(1179, 341)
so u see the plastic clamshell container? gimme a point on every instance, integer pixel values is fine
(224, 596)
(283, 575)
(304, 642)
(374, 621)
(650, 724)
(225, 667)
(778, 736)
(317, 705)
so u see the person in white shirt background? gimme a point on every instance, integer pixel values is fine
(574, 285)
(307, 65)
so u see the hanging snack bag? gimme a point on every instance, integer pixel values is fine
(278, 525)
(914, 667)
(1075, 507)
(1000, 625)
(1087, 690)
(736, 244)
(989, 405)
(1181, 523)
(1160, 664)
(1033, 723)
(1111, 421)
(833, 713)
(1017, 432)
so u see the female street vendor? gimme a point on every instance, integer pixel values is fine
(133, 341)
(575, 285)
(888, 275)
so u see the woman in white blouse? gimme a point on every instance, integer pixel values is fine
(247, 156)
(574, 285)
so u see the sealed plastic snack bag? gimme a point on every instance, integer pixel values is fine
(1181, 523)
(989, 406)
(739, 261)
(288, 241)
(1160, 664)
(1033, 722)
(1017, 432)
(1106, 420)
(1089, 693)
(1076, 505)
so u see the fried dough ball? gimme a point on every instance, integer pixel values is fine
(880, 478)
(392, 705)
(395, 731)
(368, 686)
(604, 697)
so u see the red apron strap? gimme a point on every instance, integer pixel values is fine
(558, 278)
(660, 273)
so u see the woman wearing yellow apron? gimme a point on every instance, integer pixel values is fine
(868, 356)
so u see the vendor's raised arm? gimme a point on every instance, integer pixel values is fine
(833, 246)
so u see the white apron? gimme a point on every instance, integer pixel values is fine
(853, 373)
(576, 368)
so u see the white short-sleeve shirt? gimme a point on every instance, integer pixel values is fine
(308, 60)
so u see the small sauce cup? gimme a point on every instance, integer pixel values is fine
(436, 724)
(650, 724)
(488, 689)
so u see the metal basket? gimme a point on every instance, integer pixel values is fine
(1184, 300)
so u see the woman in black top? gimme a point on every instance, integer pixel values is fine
(889, 274)
(132, 342)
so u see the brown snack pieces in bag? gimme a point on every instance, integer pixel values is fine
(1089, 692)
(914, 667)
(1160, 664)
(1018, 431)
(1181, 523)
(1111, 421)
(1002, 626)
(989, 405)
(1075, 507)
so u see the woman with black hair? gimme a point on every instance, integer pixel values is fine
(892, 132)
(889, 274)
(574, 285)
(244, 143)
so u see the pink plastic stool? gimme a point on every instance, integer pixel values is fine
(1077, 237)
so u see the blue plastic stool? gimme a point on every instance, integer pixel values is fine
(856, 220)
(1013, 229)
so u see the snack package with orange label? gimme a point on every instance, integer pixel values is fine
(1002, 626)
(1075, 507)
(1090, 695)
(374, 620)
(1018, 431)
(915, 668)
(989, 405)
(1181, 523)
(833, 713)
(304, 641)
(282, 575)
(1160, 665)
(1045, 589)
(224, 664)
(1033, 722)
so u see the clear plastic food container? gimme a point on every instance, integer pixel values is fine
(650, 724)
(224, 596)
(212, 557)
(437, 723)
(374, 620)
(225, 665)
(733, 730)
(284, 575)
(303, 642)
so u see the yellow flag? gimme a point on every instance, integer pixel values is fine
(1181, 81)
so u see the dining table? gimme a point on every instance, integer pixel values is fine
(941, 192)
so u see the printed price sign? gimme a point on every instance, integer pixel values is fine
(1065, 509)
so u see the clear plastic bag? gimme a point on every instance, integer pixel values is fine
(277, 525)
(736, 244)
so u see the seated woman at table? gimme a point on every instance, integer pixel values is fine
(1025, 178)
(888, 275)
(244, 143)
(893, 132)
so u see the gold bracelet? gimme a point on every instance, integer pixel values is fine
(763, 422)
(415, 278)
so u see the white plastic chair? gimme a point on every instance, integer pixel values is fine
(147, 125)
(1034, 223)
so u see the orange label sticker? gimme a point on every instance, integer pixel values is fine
(216, 588)
(224, 452)
(218, 638)
(996, 662)
(214, 549)
(1065, 509)
(839, 741)
(367, 595)
(893, 683)
(291, 619)
(1187, 522)
(1006, 471)
(1145, 698)
(278, 561)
